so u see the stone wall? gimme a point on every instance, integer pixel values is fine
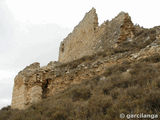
(25, 90)
(85, 54)
(54, 80)
(18, 99)
(88, 38)
(81, 41)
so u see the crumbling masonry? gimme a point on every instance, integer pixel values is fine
(78, 56)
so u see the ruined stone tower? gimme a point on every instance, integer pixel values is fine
(75, 64)
(81, 41)
(88, 38)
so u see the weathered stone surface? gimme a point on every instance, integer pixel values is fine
(80, 42)
(22, 82)
(86, 53)
(88, 38)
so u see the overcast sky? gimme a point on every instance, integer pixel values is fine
(31, 30)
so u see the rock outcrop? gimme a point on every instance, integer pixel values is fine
(84, 54)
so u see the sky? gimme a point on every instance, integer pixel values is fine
(31, 30)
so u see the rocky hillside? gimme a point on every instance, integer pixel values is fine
(118, 74)
(123, 86)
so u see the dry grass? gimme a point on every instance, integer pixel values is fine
(125, 88)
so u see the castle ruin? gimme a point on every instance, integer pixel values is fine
(34, 83)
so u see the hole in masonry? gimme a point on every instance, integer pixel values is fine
(62, 47)
(45, 88)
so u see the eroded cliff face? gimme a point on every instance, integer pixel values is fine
(87, 52)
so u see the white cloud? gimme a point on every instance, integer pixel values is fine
(69, 12)
(66, 13)
(6, 74)
(6, 27)
(6, 83)
(143, 12)
(4, 102)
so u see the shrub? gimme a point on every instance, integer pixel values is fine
(80, 93)
(127, 88)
